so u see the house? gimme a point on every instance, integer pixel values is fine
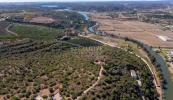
(39, 98)
(139, 83)
(133, 74)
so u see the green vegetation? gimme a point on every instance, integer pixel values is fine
(36, 65)
(163, 52)
(36, 32)
(3, 25)
(62, 19)
(30, 66)
(117, 83)
(4, 34)
(43, 61)
(84, 41)
(66, 19)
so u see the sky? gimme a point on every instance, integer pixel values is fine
(65, 0)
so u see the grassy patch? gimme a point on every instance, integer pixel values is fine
(84, 42)
(3, 25)
(36, 32)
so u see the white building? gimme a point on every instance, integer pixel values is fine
(133, 74)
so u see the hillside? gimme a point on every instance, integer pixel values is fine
(30, 68)
(42, 63)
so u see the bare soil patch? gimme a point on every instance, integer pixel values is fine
(42, 20)
(144, 32)
(44, 92)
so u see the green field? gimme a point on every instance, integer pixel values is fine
(36, 32)
(84, 41)
(3, 25)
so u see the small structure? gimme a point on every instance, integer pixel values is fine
(133, 74)
(139, 83)
(39, 98)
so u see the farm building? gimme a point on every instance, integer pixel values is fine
(133, 74)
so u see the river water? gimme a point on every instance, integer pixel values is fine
(169, 84)
(167, 76)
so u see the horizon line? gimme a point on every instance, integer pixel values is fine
(81, 1)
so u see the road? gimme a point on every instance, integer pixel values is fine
(93, 85)
(7, 29)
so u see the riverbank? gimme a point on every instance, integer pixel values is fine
(165, 53)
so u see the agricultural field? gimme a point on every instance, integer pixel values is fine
(52, 18)
(3, 25)
(145, 32)
(66, 19)
(36, 66)
(84, 42)
(44, 20)
(4, 33)
(36, 31)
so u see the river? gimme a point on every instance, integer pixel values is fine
(167, 76)
(169, 86)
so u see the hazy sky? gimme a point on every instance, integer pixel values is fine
(65, 0)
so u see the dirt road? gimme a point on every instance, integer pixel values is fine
(93, 85)
(7, 29)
